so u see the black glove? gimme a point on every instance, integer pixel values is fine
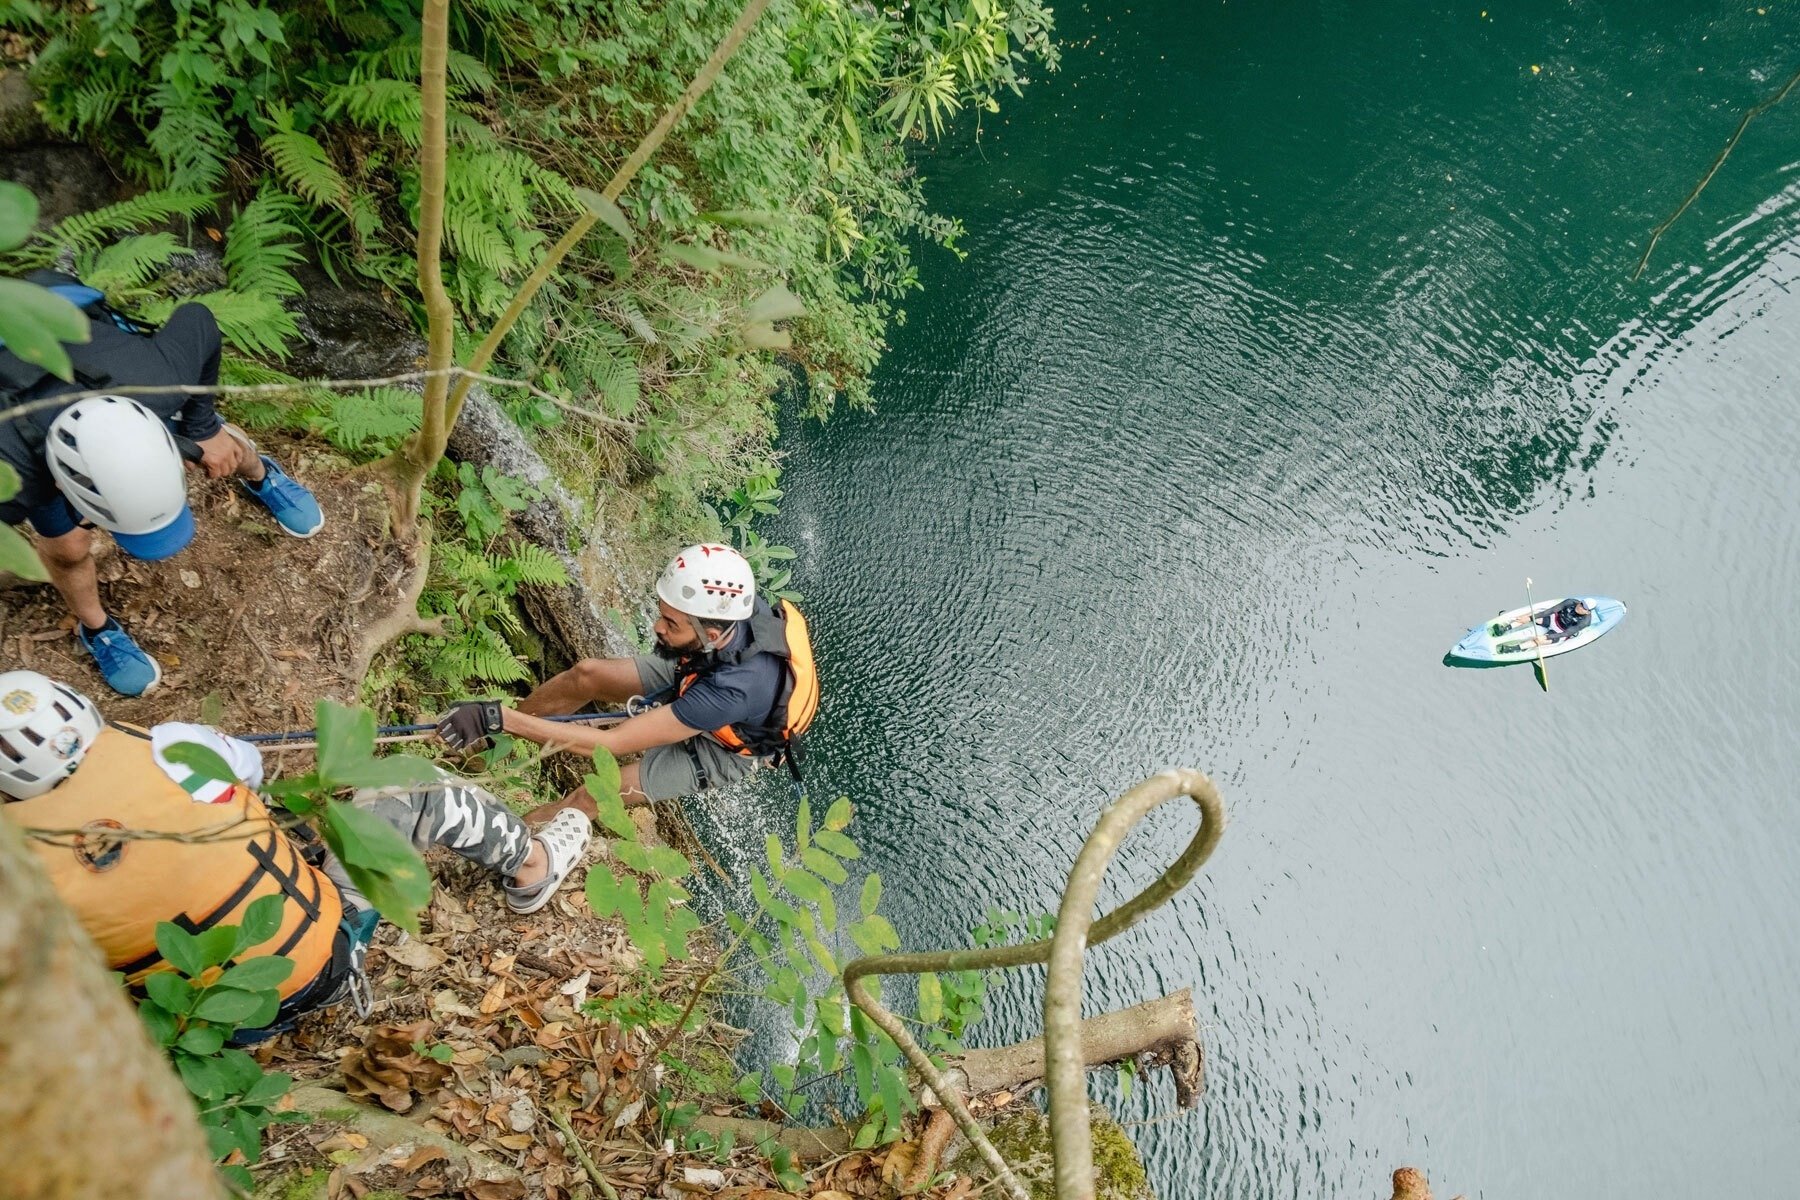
(468, 725)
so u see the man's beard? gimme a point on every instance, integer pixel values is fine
(665, 651)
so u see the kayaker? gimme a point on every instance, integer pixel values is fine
(70, 776)
(1568, 618)
(737, 675)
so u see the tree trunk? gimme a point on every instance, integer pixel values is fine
(88, 1106)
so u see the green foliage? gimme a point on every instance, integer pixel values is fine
(34, 323)
(192, 1010)
(750, 500)
(475, 583)
(792, 933)
(779, 218)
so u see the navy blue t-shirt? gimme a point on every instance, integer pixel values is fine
(734, 693)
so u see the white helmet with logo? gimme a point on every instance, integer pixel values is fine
(711, 582)
(115, 461)
(46, 730)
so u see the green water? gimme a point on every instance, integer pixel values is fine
(1290, 340)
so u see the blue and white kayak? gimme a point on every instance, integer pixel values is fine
(1507, 639)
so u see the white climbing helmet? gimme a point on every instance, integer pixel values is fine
(115, 461)
(46, 730)
(709, 581)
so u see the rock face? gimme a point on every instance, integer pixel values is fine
(65, 179)
(356, 335)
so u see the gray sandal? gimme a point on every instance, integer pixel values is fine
(564, 840)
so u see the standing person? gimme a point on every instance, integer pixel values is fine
(738, 676)
(114, 463)
(63, 769)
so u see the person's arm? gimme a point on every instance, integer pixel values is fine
(658, 727)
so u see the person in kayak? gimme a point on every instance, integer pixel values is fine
(1560, 623)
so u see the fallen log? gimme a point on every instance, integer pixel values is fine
(1163, 1031)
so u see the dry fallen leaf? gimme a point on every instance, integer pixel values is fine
(495, 998)
(190, 578)
(411, 952)
(422, 1156)
(899, 1164)
(343, 1139)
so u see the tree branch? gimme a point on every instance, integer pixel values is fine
(1730, 145)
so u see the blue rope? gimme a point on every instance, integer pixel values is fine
(300, 735)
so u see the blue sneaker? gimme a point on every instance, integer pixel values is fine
(122, 662)
(287, 500)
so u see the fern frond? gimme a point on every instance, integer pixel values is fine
(390, 105)
(373, 421)
(400, 60)
(260, 246)
(301, 162)
(473, 238)
(536, 566)
(89, 232)
(254, 324)
(189, 139)
(126, 265)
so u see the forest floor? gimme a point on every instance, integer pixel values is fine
(490, 1031)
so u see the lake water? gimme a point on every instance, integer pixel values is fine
(1290, 341)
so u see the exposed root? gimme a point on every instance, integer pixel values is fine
(404, 618)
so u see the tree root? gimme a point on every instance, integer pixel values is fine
(1076, 930)
(403, 619)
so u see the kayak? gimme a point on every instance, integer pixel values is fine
(1496, 644)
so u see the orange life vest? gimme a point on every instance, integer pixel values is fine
(783, 634)
(120, 890)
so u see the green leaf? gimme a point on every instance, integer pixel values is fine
(836, 843)
(241, 1071)
(803, 825)
(862, 1066)
(262, 921)
(17, 556)
(158, 1020)
(216, 945)
(821, 863)
(810, 889)
(204, 1077)
(204, 761)
(227, 1006)
(871, 894)
(18, 214)
(268, 1006)
(896, 1100)
(743, 216)
(275, 1084)
(181, 949)
(257, 974)
(394, 771)
(35, 322)
(346, 738)
(202, 1040)
(238, 1176)
(610, 214)
(690, 254)
(749, 1089)
(776, 304)
(837, 817)
(767, 900)
(603, 890)
(603, 786)
(382, 864)
(882, 931)
(171, 992)
(931, 999)
(773, 851)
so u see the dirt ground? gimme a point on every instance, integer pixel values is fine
(251, 626)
